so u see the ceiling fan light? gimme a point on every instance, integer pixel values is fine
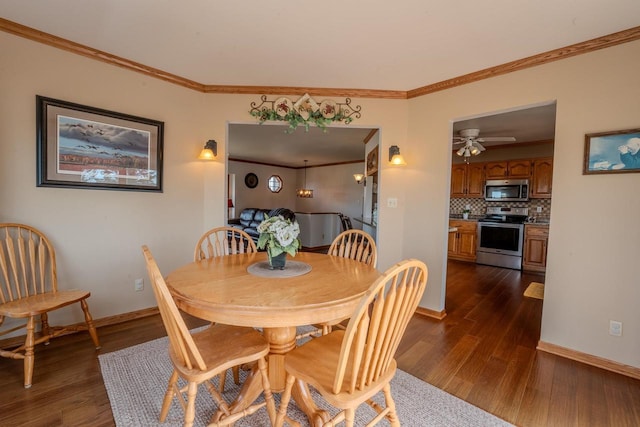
(466, 152)
(460, 152)
(475, 151)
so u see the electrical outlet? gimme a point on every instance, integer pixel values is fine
(138, 285)
(392, 202)
(539, 209)
(615, 328)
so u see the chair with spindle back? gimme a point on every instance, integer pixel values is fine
(348, 367)
(201, 356)
(357, 245)
(29, 289)
(354, 244)
(221, 241)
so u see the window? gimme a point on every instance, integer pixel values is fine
(275, 183)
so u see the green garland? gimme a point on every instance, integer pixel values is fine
(295, 119)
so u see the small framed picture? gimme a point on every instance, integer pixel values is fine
(86, 147)
(612, 152)
(372, 161)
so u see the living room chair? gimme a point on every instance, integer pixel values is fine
(199, 357)
(349, 367)
(221, 241)
(29, 289)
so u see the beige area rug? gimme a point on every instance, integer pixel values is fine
(136, 379)
(535, 290)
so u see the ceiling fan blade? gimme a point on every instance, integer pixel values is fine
(497, 139)
(480, 146)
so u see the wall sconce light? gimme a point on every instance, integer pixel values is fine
(210, 150)
(395, 158)
(358, 177)
(229, 203)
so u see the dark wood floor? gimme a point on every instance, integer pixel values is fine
(483, 352)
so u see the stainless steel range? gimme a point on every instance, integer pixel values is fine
(500, 237)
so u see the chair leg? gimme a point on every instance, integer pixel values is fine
(392, 416)
(236, 374)
(266, 385)
(284, 401)
(29, 357)
(168, 396)
(90, 325)
(223, 380)
(45, 328)
(190, 411)
(349, 417)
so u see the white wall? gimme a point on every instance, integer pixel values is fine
(593, 242)
(261, 197)
(98, 234)
(334, 189)
(590, 276)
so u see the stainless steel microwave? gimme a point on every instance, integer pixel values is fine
(506, 190)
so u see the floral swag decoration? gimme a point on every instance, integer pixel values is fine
(305, 111)
(279, 235)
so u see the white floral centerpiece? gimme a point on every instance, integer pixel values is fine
(279, 236)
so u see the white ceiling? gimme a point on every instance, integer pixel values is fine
(271, 144)
(375, 44)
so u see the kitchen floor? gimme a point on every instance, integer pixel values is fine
(484, 351)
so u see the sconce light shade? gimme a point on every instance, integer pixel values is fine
(395, 158)
(210, 150)
(358, 177)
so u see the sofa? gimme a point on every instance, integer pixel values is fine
(250, 218)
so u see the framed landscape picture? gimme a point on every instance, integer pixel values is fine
(85, 147)
(612, 152)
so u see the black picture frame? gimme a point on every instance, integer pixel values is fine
(612, 152)
(251, 180)
(91, 148)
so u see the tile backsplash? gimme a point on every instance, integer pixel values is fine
(479, 207)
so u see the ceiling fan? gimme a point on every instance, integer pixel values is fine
(473, 143)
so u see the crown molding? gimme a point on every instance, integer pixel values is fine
(610, 40)
(603, 42)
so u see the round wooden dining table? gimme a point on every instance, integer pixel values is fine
(314, 288)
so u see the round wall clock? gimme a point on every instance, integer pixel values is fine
(251, 180)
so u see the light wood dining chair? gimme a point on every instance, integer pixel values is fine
(201, 356)
(221, 241)
(354, 244)
(29, 289)
(349, 367)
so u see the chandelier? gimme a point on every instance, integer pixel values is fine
(304, 192)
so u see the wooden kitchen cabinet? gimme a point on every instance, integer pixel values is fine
(508, 169)
(467, 180)
(541, 176)
(462, 242)
(536, 237)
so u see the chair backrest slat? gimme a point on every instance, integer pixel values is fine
(357, 245)
(221, 241)
(27, 262)
(180, 339)
(376, 328)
